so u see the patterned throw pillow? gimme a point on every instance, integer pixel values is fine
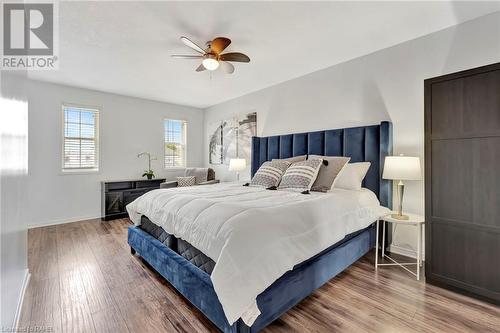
(301, 175)
(269, 173)
(186, 181)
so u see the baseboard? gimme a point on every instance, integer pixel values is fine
(404, 251)
(63, 221)
(20, 301)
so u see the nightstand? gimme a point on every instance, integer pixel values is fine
(415, 220)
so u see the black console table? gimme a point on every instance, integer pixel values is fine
(116, 195)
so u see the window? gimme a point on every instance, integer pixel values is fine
(80, 146)
(13, 136)
(175, 143)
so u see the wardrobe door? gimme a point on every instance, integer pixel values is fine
(462, 143)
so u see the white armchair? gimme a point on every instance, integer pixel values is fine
(197, 172)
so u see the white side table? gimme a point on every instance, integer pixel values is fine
(415, 220)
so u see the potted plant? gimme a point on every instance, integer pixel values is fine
(149, 173)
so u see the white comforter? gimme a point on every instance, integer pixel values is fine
(255, 235)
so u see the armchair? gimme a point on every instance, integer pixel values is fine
(199, 173)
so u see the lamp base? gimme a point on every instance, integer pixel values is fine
(400, 217)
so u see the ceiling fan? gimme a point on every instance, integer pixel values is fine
(212, 57)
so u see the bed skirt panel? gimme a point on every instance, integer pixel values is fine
(195, 285)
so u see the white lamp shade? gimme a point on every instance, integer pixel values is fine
(237, 164)
(402, 168)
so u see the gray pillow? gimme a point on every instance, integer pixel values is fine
(301, 175)
(269, 173)
(328, 173)
(293, 159)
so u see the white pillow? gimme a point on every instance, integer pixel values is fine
(352, 175)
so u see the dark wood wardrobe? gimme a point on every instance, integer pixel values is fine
(462, 181)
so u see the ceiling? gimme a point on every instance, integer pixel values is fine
(125, 47)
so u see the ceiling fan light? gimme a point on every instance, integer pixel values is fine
(210, 63)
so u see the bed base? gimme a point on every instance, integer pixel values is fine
(295, 285)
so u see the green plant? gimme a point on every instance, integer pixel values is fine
(172, 146)
(149, 173)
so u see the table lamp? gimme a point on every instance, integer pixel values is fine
(237, 164)
(401, 168)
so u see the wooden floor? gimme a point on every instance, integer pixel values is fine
(84, 279)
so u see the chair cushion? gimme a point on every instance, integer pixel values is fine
(201, 174)
(210, 182)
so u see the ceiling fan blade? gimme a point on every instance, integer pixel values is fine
(219, 44)
(234, 56)
(226, 67)
(179, 56)
(200, 68)
(188, 42)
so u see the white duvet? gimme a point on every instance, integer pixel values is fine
(255, 235)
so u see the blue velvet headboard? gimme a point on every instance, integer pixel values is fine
(366, 143)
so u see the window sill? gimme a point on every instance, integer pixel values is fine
(69, 172)
(174, 169)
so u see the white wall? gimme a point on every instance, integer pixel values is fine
(13, 168)
(385, 85)
(128, 126)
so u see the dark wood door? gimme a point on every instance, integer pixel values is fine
(462, 187)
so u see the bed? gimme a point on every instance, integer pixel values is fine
(197, 272)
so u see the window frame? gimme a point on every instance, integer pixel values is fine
(185, 125)
(97, 111)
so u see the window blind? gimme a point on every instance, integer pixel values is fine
(175, 143)
(80, 138)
